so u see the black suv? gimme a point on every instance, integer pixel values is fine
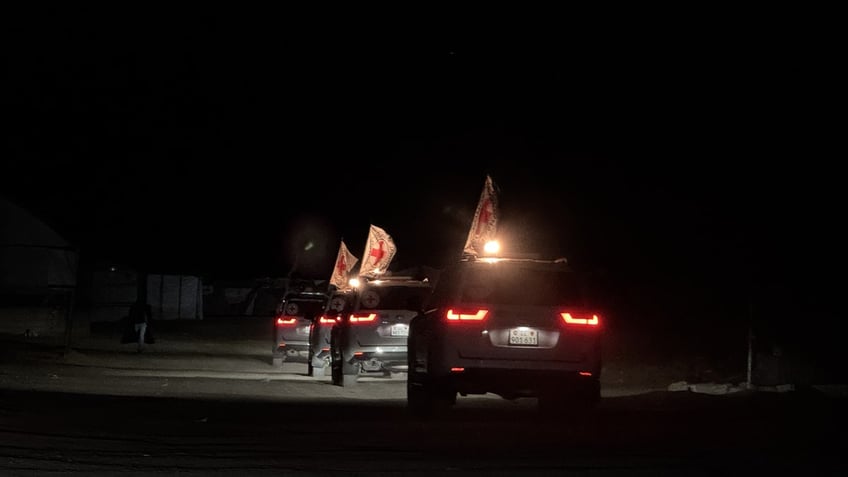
(371, 339)
(512, 327)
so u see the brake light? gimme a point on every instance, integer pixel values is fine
(363, 318)
(283, 320)
(466, 315)
(589, 319)
(324, 320)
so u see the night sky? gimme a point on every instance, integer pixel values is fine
(694, 159)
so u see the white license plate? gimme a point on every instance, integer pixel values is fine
(523, 337)
(303, 330)
(400, 330)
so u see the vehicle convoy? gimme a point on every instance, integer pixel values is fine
(372, 338)
(339, 304)
(295, 314)
(515, 327)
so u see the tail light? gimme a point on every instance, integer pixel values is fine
(286, 320)
(326, 320)
(457, 315)
(584, 319)
(363, 318)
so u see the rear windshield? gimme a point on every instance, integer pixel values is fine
(393, 298)
(305, 308)
(521, 286)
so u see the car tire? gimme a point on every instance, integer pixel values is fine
(418, 400)
(336, 369)
(425, 396)
(349, 379)
(336, 373)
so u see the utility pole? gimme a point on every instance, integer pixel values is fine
(70, 302)
(748, 384)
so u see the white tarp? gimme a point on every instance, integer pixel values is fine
(175, 297)
(171, 297)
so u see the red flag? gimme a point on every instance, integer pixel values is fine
(379, 251)
(484, 227)
(341, 270)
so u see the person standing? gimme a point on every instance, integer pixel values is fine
(140, 316)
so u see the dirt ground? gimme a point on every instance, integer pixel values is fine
(633, 359)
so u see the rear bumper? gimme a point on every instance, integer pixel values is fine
(376, 361)
(298, 345)
(516, 382)
(292, 349)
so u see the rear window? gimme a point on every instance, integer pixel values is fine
(305, 308)
(521, 286)
(393, 298)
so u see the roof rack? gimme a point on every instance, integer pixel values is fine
(529, 257)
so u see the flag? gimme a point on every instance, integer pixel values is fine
(341, 270)
(485, 224)
(379, 251)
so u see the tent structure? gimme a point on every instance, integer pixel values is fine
(171, 297)
(38, 273)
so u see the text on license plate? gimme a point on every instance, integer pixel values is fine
(523, 336)
(400, 330)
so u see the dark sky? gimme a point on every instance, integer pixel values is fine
(218, 142)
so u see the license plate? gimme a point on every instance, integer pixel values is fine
(523, 337)
(400, 330)
(303, 330)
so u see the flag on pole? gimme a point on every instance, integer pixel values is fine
(341, 270)
(379, 251)
(485, 224)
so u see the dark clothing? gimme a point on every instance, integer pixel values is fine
(140, 313)
(137, 328)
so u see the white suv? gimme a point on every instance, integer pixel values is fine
(371, 339)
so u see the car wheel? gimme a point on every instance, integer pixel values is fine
(337, 364)
(336, 368)
(336, 373)
(349, 373)
(417, 400)
(424, 395)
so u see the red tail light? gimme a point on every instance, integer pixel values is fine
(456, 315)
(588, 319)
(326, 321)
(286, 320)
(363, 318)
